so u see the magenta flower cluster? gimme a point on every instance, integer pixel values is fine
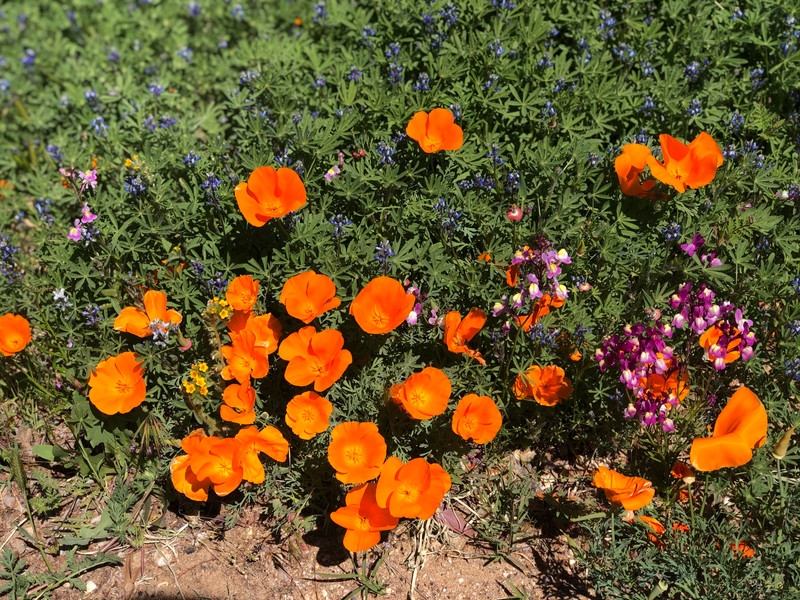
(645, 353)
(648, 368)
(531, 270)
(730, 337)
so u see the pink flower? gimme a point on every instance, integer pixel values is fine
(87, 216)
(514, 213)
(413, 316)
(89, 179)
(75, 232)
(332, 173)
(696, 243)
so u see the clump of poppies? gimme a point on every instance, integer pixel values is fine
(692, 165)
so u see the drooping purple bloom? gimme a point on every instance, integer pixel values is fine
(693, 246)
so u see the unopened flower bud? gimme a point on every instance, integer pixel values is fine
(783, 444)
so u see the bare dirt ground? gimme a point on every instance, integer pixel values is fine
(192, 558)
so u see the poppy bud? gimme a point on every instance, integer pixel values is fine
(783, 444)
(514, 213)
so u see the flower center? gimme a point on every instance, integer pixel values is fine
(410, 493)
(123, 387)
(417, 398)
(469, 423)
(319, 369)
(379, 317)
(354, 455)
(676, 172)
(308, 415)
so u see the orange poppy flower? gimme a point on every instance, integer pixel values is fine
(316, 358)
(540, 309)
(740, 427)
(423, 395)
(184, 478)
(477, 417)
(308, 295)
(676, 385)
(685, 166)
(185, 481)
(244, 359)
(239, 402)
(356, 451)
(269, 194)
(308, 414)
(15, 333)
(267, 331)
(413, 490)
(269, 440)
(629, 166)
(653, 524)
(215, 462)
(658, 530)
(363, 518)
(238, 320)
(512, 275)
(134, 320)
(242, 293)
(458, 332)
(631, 493)
(435, 131)
(680, 527)
(117, 384)
(382, 305)
(548, 385)
(682, 471)
(710, 337)
(742, 550)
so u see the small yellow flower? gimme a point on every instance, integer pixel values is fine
(186, 383)
(176, 248)
(128, 162)
(200, 381)
(202, 367)
(215, 300)
(223, 303)
(190, 388)
(203, 391)
(223, 314)
(193, 374)
(213, 311)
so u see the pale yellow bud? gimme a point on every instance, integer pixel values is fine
(783, 444)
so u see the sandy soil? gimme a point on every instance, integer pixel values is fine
(190, 557)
